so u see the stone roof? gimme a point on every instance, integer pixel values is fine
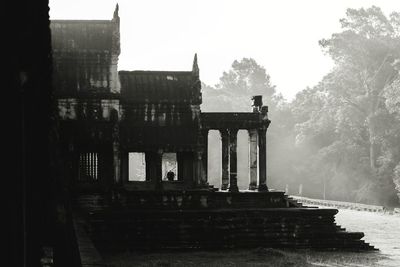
(160, 86)
(86, 35)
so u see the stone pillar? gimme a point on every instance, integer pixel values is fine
(116, 155)
(225, 158)
(204, 158)
(180, 160)
(253, 159)
(154, 168)
(200, 178)
(158, 170)
(233, 187)
(150, 166)
(125, 167)
(262, 150)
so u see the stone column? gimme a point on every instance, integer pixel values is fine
(180, 160)
(204, 158)
(116, 155)
(233, 187)
(225, 158)
(158, 170)
(253, 159)
(262, 150)
(150, 166)
(200, 178)
(154, 168)
(125, 167)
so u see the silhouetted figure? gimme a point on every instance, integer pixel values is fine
(170, 175)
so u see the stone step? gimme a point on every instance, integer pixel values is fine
(206, 219)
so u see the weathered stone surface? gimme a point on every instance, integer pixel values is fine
(216, 220)
(105, 115)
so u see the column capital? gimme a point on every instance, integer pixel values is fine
(205, 130)
(199, 154)
(233, 131)
(252, 131)
(262, 130)
(223, 132)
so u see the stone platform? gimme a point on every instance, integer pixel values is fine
(208, 220)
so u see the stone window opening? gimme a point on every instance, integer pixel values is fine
(137, 167)
(172, 78)
(169, 167)
(88, 167)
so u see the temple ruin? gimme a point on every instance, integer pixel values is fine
(122, 132)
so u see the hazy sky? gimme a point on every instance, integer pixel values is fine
(281, 35)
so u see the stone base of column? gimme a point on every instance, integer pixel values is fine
(252, 187)
(224, 187)
(234, 189)
(262, 187)
(203, 185)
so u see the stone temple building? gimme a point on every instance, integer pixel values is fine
(107, 115)
(134, 146)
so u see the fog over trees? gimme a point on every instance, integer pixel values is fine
(340, 139)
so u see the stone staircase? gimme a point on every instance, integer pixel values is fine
(233, 228)
(209, 220)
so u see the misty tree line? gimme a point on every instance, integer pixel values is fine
(341, 138)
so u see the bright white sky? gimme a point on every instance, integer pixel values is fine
(281, 35)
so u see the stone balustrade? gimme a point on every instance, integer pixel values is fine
(339, 204)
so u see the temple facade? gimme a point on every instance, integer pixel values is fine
(106, 115)
(134, 147)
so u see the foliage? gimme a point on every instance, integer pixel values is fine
(363, 85)
(341, 138)
(236, 87)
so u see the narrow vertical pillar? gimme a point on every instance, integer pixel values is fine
(117, 163)
(233, 187)
(180, 160)
(86, 156)
(150, 166)
(253, 159)
(116, 148)
(225, 158)
(199, 169)
(262, 150)
(125, 167)
(204, 158)
(154, 168)
(158, 170)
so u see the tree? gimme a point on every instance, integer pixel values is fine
(236, 87)
(364, 54)
(247, 78)
(353, 122)
(343, 135)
